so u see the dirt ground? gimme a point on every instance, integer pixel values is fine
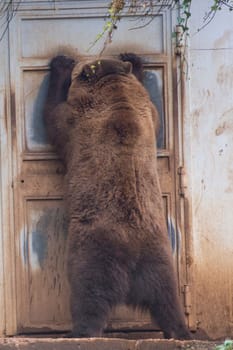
(102, 344)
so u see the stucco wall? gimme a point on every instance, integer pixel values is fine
(208, 151)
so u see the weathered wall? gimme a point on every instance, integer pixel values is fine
(2, 112)
(208, 152)
(208, 148)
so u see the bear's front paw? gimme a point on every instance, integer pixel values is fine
(62, 65)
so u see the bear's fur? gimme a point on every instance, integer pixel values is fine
(100, 118)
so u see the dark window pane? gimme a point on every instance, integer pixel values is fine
(153, 82)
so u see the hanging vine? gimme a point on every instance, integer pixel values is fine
(148, 8)
(8, 9)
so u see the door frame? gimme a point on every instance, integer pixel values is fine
(7, 237)
(8, 245)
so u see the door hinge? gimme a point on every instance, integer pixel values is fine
(179, 35)
(187, 299)
(182, 185)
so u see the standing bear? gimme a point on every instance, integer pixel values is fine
(103, 124)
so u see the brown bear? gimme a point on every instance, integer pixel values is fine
(101, 119)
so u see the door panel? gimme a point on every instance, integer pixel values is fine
(41, 36)
(40, 220)
(46, 239)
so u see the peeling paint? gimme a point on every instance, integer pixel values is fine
(23, 247)
(43, 224)
(39, 246)
(172, 233)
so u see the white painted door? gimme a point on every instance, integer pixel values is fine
(39, 31)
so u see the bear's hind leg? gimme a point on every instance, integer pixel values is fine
(98, 283)
(155, 289)
(89, 315)
(93, 295)
(166, 310)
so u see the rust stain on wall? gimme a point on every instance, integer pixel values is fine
(225, 75)
(229, 188)
(220, 129)
(226, 122)
(223, 41)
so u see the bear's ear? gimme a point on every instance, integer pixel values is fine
(87, 72)
(136, 62)
(128, 67)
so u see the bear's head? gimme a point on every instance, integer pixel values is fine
(86, 74)
(92, 71)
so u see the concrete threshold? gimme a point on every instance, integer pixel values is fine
(102, 344)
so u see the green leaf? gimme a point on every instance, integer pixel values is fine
(227, 345)
(173, 34)
(187, 13)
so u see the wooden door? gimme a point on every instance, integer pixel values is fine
(38, 32)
